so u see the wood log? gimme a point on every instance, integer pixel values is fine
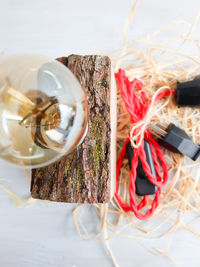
(85, 175)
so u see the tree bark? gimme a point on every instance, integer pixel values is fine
(84, 176)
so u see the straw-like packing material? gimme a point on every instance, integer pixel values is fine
(156, 64)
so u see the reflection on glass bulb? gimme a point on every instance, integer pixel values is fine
(43, 110)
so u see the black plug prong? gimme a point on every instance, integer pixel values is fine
(158, 130)
(176, 140)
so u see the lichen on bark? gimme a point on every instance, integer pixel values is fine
(84, 175)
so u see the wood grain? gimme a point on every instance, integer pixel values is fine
(84, 176)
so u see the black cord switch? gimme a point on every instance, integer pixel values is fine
(142, 183)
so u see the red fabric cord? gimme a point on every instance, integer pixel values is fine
(137, 105)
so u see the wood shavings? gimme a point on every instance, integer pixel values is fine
(19, 202)
(158, 64)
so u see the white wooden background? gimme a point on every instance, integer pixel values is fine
(39, 236)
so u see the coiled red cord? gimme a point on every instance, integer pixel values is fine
(137, 105)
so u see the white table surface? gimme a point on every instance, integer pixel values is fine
(39, 236)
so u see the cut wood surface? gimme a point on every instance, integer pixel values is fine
(84, 176)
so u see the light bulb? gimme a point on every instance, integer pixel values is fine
(43, 110)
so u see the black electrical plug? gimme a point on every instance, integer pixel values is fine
(176, 140)
(188, 93)
(142, 183)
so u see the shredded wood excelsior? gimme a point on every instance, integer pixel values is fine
(157, 64)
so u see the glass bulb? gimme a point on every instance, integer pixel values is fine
(43, 110)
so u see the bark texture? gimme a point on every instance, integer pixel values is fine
(84, 175)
